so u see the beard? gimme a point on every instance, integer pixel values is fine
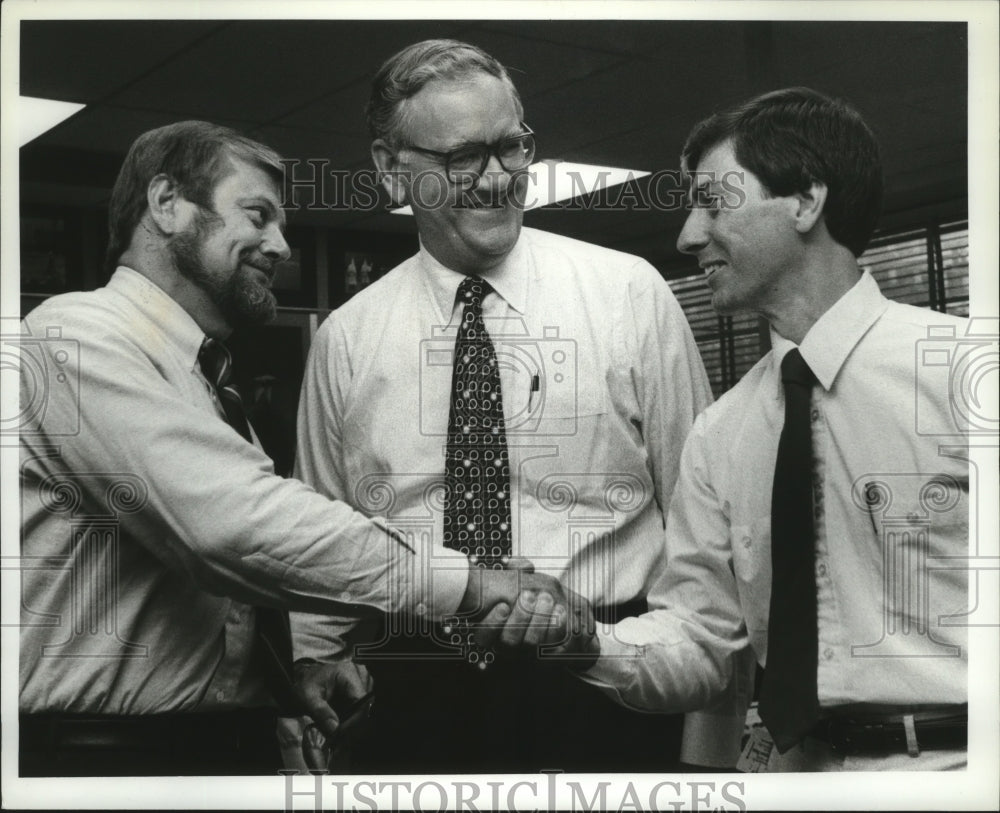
(239, 296)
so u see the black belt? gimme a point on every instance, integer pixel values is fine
(213, 731)
(899, 730)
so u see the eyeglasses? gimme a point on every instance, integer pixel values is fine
(465, 166)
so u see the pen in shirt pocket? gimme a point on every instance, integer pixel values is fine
(535, 383)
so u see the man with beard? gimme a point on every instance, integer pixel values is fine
(159, 546)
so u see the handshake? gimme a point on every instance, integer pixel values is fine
(507, 609)
(517, 607)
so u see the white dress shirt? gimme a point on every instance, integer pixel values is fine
(600, 379)
(150, 525)
(891, 507)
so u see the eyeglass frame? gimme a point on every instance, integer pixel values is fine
(490, 151)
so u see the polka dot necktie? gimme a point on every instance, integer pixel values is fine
(477, 468)
(273, 652)
(477, 506)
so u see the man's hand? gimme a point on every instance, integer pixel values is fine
(561, 622)
(333, 694)
(520, 608)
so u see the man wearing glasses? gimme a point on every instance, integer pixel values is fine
(505, 392)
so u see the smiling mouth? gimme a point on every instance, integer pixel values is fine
(266, 273)
(711, 268)
(478, 205)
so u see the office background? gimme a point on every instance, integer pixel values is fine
(612, 93)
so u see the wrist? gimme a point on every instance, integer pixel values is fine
(472, 599)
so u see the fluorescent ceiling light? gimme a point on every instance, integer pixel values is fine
(555, 181)
(39, 115)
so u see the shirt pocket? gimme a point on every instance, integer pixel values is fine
(560, 402)
(751, 546)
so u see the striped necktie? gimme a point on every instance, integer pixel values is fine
(273, 634)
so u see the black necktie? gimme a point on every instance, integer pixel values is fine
(477, 468)
(273, 634)
(788, 700)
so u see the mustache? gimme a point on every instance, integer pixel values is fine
(260, 262)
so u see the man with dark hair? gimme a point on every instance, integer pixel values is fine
(158, 543)
(504, 391)
(823, 571)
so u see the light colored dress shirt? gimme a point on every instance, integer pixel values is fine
(150, 526)
(600, 379)
(891, 510)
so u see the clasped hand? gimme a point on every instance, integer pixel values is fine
(517, 607)
(512, 608)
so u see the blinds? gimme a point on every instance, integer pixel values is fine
(955, 267)
(729, 345)
(926, 267)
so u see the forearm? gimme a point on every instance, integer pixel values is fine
(652, 663)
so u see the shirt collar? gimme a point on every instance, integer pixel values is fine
(159, 308)
(837, 332)
(509, 279)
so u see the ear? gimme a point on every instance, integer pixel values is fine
(168, 208)
(388, 164)
(809, 207)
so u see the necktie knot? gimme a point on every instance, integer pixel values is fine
(215, 362)
(472, 290)
(794, 370)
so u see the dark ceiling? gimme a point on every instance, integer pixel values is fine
(618, 93)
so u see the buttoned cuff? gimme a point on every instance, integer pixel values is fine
(616, 665)
(449, 579)
(712, 740)
(319, 637)
(433, 586)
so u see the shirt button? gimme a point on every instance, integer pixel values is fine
(220, 695)
(828, 654)
(815, 415)
(821, 569)
(747, 541)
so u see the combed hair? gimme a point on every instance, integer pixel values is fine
(404, 74)
(789, 139)
(197, 155)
